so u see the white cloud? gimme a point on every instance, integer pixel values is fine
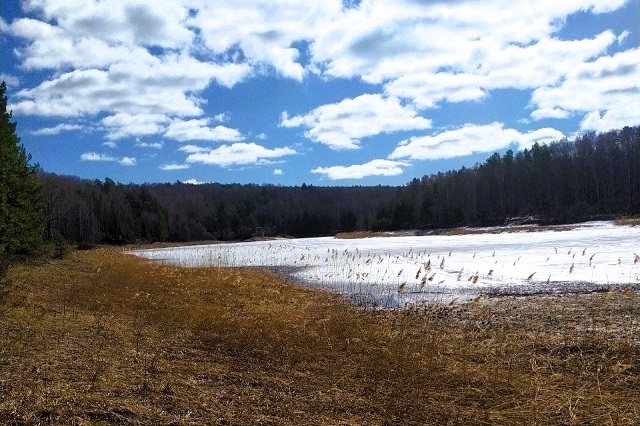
(278, 172)
(52, 47)
(123, 125)
(341, 126)
(107, 46)
(89, 92)
(145, 23)
(468, 140)
(56, 130)
(263, 31)
(127, 161)
(152, 145)
(10, 80)
(193, 182)
(382, 40)
(359, 171)
(603, 90)
(191, 149)
(541, 113)
(222, 117)
(239, 154)
(199, 129)
(426, 51)
(99, 157)
(169, 167)
(502, 67)
(94, 156)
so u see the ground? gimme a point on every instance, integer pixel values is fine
(102, 337)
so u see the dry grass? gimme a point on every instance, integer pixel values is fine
(628, 221)
(371, 234)
(468, 231)
(105, 338)
(502, 230)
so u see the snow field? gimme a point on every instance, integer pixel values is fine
(395, 271)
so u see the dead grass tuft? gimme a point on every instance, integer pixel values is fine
(102, 337)
(371, 234)
(628, 221)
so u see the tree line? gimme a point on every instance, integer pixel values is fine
(594, 176)
(107, 212)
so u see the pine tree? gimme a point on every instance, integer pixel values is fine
(21, 200)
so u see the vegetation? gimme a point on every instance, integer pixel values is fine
(596, 176)
(106, 338)
(21, 201)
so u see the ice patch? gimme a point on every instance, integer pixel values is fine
(395, 271)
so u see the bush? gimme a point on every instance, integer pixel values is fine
(86, 246)
(60, 246)
(4, 265)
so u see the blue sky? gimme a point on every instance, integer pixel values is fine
(319, 92)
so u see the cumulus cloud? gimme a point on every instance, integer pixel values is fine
(263, 32)
(342, 125)
(152, 145)
(123, 125)
(602, 90)
(10, 80)
(382, 40)
(191, 149)
(146, 23)
(199, 129)
(56, 130)
(99, 157)
(468, 140)
(127, 161)
(94, 156)
(501, 68)
(358, 171)
(133, 88)
(239, 154)
(173, 166)
(278, 172)
(193, 182)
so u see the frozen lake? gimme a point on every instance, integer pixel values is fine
(396, 271)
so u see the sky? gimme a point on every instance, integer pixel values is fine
(283, 92)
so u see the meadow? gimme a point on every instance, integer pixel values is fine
(103, 337)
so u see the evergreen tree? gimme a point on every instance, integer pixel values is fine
(21, 200)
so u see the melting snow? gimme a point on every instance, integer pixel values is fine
(394, 271)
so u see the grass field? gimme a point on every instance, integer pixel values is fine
(102, 337)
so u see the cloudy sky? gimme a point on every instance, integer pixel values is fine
(322, 92)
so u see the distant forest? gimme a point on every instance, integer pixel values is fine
(595, 176)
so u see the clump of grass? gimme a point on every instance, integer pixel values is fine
(371, 234)
(102, 337)
(628, 221)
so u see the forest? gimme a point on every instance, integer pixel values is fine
(594, 176)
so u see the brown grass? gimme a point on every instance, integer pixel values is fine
(465, 231)
(628, 221)
(371, 234)
(106, 338)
